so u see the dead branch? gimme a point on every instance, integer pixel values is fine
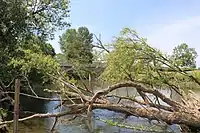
(148, 112)
(175, 113)
(154, 114)
(75, 109)
(29, 85)
(5, 99)
(139, 87)
(158, 106)
(73, 88)
(6, 86)
(54, 124)
(43, 98)
(99, 44)
(175, 105)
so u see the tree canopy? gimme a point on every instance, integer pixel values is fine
(133, 59)
(24, 29)
(184, 56)
(76, 45)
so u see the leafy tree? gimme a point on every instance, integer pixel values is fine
(25, 27)
(35, 63)
(60, 58)
(76, 46)
(133, 59)
(130, 57)
(21, 19)
(184, 56)
(32, 41)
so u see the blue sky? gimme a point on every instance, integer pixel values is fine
(165, 23)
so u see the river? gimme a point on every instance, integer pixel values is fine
(85, 125)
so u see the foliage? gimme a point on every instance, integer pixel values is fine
(34, 65)
(76, 46)
(60, 58)
(3, 112)
(35, 61)
(37, 44)
(184, 56)
(128, 58)
(133, 59)
(24, 29)
(20, 19)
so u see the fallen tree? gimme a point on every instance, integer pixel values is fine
(173, 112)
(136, 65)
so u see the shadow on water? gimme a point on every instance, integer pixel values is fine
(32, 106)
(81, 124)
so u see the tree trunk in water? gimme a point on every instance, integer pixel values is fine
(185, 113)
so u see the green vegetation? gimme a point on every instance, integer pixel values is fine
(25, 27)
(76, 46)
(184, 56)
(133, 59)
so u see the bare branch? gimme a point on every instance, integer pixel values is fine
(54, 124)
(100, 44)
(74, 110)
(6, 86)
(167, 108)
(72, 87)
(41, 98)
(30, 85)
(169, 101)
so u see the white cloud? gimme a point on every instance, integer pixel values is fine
(167, 36)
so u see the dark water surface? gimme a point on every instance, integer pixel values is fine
(85, 125)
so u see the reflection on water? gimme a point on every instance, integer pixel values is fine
(34, 125)
(81, 124)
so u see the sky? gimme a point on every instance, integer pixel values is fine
(165, 23)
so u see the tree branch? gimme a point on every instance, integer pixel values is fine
(74, 110)
(169, 101)
(40, 98)
(167, 108)
(100, 44)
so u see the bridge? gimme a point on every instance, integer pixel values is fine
(97, 67)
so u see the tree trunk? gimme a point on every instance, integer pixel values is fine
(185, 113)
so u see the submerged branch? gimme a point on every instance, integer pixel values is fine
(148, 112)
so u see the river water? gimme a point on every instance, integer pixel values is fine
(94, 124)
